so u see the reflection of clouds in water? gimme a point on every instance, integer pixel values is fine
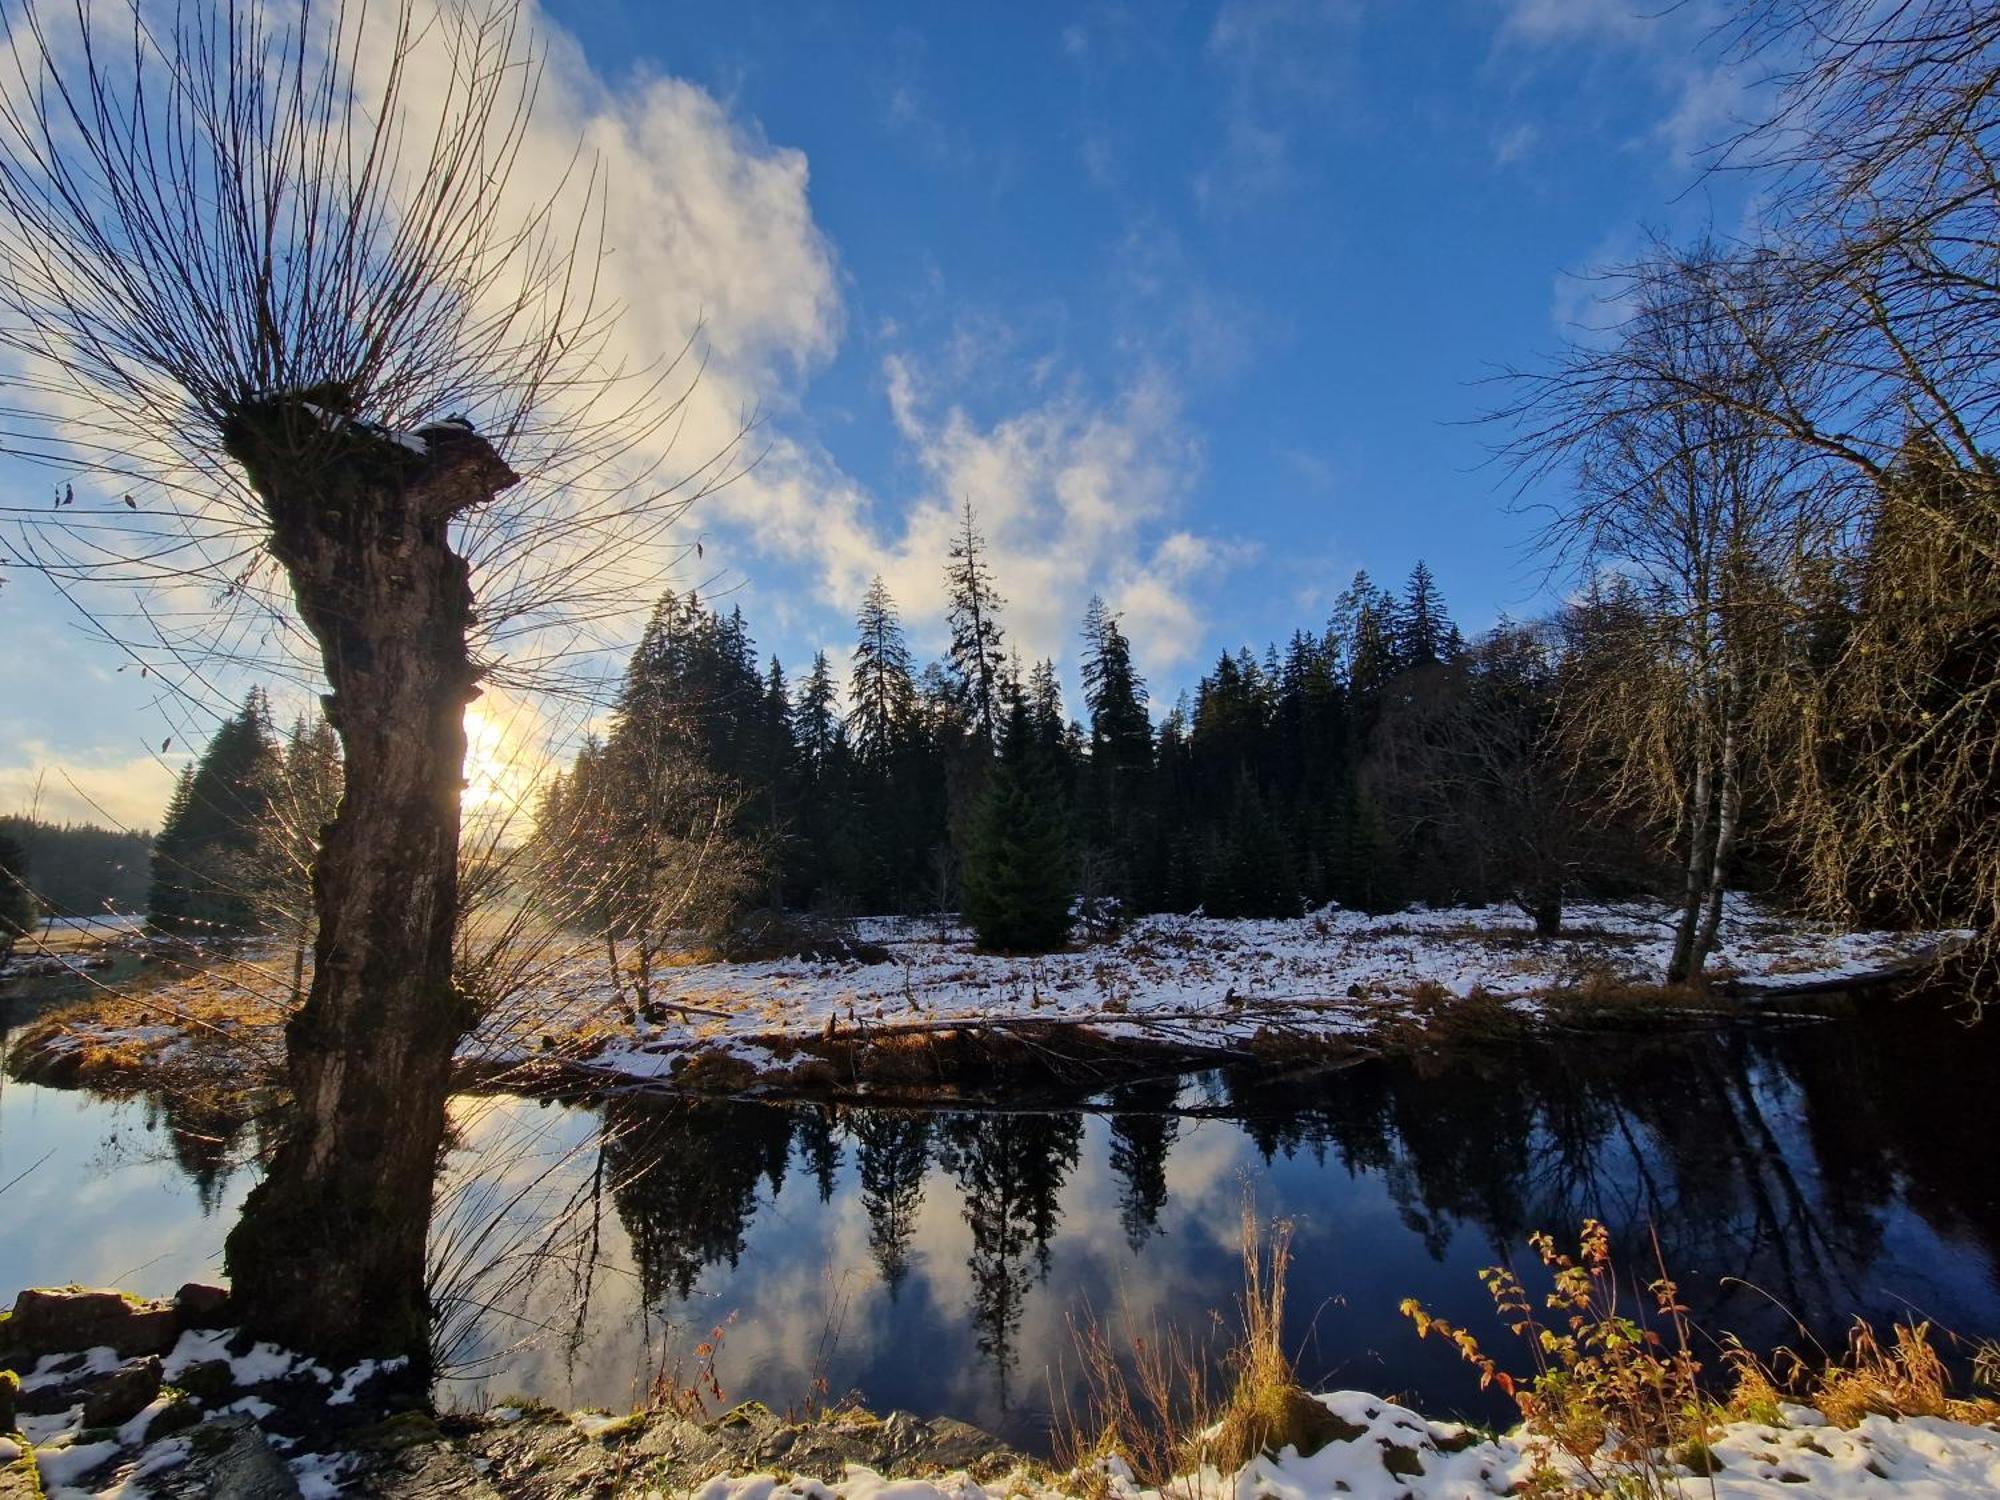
(1801, 1160)
(109, 1205)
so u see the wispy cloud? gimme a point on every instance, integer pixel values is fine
(1283, 64)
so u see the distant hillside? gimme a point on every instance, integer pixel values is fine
(78, 869)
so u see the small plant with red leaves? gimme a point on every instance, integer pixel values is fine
(1611, 1395)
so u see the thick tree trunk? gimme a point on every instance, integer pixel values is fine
(329, 1255)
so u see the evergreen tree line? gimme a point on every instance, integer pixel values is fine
(1359, 763)
(235, 849)
(79, 869)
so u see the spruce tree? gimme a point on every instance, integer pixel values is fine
(1422, 627)
(816, 720)
(973, 613)
(882, 693)
(1017, 878)
(204, 875)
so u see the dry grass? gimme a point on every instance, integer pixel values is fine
(1902, 1377)
(1151, 1405)
(229, 1011)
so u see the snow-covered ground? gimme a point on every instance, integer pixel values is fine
(1168, 979)
(1911, 1457)
(1192, 982)
(1389, 1453)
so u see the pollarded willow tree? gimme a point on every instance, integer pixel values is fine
(268, 289)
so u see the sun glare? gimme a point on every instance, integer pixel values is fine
(497, 772)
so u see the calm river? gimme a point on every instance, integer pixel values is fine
(1796, 1176)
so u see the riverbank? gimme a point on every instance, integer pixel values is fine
(114, 1397)
(906, 1006)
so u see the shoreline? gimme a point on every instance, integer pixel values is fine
(936, 1021)
(106, 1395)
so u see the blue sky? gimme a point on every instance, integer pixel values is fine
(1193, 300)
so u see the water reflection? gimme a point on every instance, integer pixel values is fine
(931, 1259)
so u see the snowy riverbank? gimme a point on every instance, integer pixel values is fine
(1190, 989)
(219, 1414)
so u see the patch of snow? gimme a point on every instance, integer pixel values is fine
(60, 1466)
(47, 1428)
(318, 1474)
(263, 1362)
(133, 1432)
(58, 1369)
(361, 1374)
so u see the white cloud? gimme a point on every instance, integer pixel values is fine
(709, 226)
(1706, 91)
(98, 784)
(1514, 143)
(1283, 62)
(1066, 490)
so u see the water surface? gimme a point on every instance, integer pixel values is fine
(933, 1260)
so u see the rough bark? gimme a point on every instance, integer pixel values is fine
(329, 1255)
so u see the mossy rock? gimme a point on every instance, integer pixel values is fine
(208, 1380)
(744, 1413)
(21, 1479)
(1698, 1458)
(620, 1429)
(406, 1429)
(1273, 1420)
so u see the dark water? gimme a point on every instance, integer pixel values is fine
(932, 1260)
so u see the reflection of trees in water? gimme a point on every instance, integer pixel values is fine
(206, 1138)
(1765, 1156)
(1143, 1132)
(684, 1177)
(819, 1144)
(1011, 1169)
(1777, 1157)
(894, 1152)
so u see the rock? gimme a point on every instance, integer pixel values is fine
(208, 1379)
(950, 1444)
(53, 1320)
(176, 1416)
(434, 1472)
(229, 1461)
(59, 1385)
(19, 1479)
(10, 1387)
(117, 1398)
(201, 1305)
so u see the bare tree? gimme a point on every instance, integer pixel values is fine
(268, 292)
(1699, 507)
(1470, 763)
(641, 846)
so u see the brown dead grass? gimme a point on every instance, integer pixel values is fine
(1902, 1377)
